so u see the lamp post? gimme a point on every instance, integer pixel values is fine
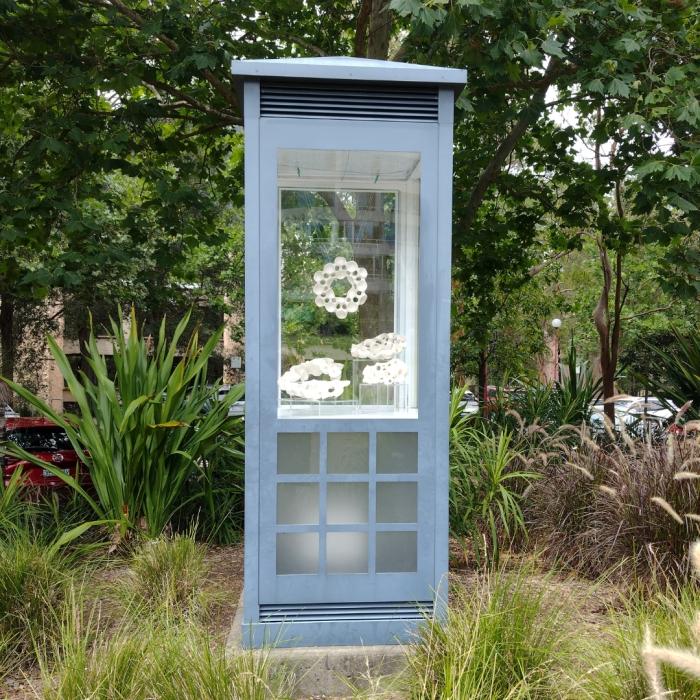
(556, 325)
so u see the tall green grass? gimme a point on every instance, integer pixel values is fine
(616, 660)
(167, 575)
(502, 640)
(144, 430)
(33, 581)
(140, 657)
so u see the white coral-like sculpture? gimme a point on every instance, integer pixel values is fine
(382, 347)
(393, 372)
(340, 269)
(297, 383)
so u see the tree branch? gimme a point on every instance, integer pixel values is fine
(219, 86)
(525, 119)
(657, 310)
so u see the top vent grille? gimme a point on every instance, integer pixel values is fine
(324, 101)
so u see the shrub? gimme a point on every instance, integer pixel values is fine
(486, 483)
(675, 376)
(144, 431)
(506, 639)
(167, 575)
(599, 507)
(214, 507)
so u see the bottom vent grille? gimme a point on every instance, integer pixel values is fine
(320, 612)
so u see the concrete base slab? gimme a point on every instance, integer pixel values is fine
(331, 671)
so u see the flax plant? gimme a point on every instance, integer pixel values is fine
(143, 430)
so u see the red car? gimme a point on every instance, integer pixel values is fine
(48, 442)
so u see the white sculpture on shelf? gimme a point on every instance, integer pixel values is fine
(382, 347)
(340, 269)
(392, 372)
(297, 383)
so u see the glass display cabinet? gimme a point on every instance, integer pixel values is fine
(348, 220)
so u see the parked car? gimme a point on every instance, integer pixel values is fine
(49, 443)
(469, 404)
(638, 414)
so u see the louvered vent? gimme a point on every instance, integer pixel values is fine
(325, 101)
(320, 612)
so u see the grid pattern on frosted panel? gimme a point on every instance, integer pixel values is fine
(397, 502)
(297, 504)
(297, 553)
(397, 552)
(298, 453)
(347, 504)
(348, 229)
(397, 453)
(347, 553)
(348, 453)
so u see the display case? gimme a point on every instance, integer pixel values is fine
(348, 231)
(348, 217)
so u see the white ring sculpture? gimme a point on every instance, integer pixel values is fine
(392, 372)
(296, 382)
(340, 269)
(382, 347)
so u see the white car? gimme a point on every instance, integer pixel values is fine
(638, 414)
(469, 404)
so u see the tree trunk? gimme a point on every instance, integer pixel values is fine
(7, 348)
(7, 336)
(609, 326)
(379, 30)
(483, 390)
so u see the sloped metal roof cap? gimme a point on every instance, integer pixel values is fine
(347, 68)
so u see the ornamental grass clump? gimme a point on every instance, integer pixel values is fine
(146, 429)
(627, 506)
(505, 638)
(95, 655)
(167, 576)
(33, 581)
(650, 649)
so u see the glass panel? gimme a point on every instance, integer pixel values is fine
(349, 229)
(346, 553)
(397, 552)
(297, 553)
(297, 453)
(397, 502)
(397, 453)
(297, 504)
(347, 503)
(348, 453)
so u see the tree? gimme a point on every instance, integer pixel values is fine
(634, 65)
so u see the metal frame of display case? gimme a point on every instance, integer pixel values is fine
(371, 608)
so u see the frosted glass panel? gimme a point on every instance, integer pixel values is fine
(297, 453)
(348, 453)
(397, 503)
(347, 503)
(346, 553)
(397, 453)
(297, 504)
(297, 553)
(396, 552)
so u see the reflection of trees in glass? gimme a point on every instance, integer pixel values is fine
(316, 227)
